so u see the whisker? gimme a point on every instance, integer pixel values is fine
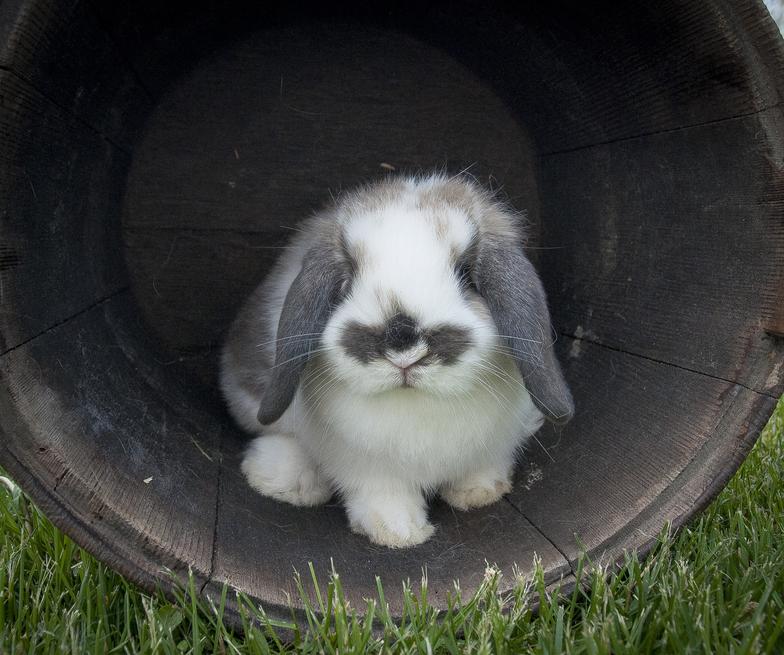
(532, 435)
(509, 336)
(291, 336)
(310, 353)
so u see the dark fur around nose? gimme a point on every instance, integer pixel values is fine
(401, 332)
(445, 343)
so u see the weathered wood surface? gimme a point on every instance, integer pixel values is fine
(576, 74)
(60, 185)
(646, 143)
(621, 71)
(61, 50)
(636, 454)
(115, 457)
(671, 246)
(190, 283)
(258, 136)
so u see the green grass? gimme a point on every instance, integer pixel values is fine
(716, 587)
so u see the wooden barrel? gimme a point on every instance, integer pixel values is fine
(156, 154)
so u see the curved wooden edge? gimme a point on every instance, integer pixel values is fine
(100, 543)
(756, 416)
(760, 415)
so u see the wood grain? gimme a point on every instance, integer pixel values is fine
(65, 55)
(108, 452)
(575, 74)
(621, 71)
(61, 185)
(671, 246)
(189, 284)
(258, 136)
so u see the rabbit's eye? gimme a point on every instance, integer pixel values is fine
(345, 287)
(465, 275)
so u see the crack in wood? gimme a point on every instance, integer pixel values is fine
(218, 499)
(59, 480)
(56, 325)
(668, 130)
(543, 534)
(666, 363)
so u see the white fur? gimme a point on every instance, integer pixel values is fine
(276, 466)
(352, 427)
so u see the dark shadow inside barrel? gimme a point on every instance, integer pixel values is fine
(155, 159)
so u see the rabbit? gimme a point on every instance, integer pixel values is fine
(400, 347)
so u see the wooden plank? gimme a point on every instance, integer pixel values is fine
(649, 443)
(105, 450)
(261, 541)
(653, 68)
(162, 40)
(658, 250)
(258, 135)
(61, 184)
(62, 52)
(579, 75)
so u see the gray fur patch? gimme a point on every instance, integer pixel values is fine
(447, 342)
(372, 197)
(306, 310)
(362, 342)
(516, 300)
(444, 343)
(449, 192)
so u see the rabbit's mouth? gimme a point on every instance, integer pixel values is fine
(408, 363)
(407, 378)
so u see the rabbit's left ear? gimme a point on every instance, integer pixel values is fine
(306, 310)
(517, 302)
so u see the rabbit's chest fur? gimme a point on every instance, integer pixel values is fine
(407, 435)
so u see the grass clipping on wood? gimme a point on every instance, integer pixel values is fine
(716, 587)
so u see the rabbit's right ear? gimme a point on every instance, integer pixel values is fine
(516, 299)
(306, 310)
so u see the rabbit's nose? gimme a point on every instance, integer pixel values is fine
(405, 360)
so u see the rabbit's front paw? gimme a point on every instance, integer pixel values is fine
(276, 466)
(396, 522)
(477, 490)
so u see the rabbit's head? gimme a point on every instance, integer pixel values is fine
(416, 286)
